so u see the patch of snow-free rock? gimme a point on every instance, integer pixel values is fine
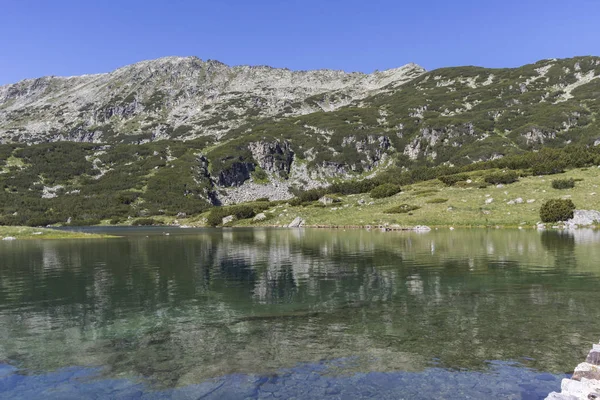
(583, 218)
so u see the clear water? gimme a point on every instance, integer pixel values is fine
(269, 313)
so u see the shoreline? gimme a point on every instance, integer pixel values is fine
(14, 233)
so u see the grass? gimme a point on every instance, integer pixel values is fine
(22, 232)
(466, 205)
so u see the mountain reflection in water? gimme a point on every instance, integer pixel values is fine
(182, 309)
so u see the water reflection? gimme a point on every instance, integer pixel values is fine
(183, 308)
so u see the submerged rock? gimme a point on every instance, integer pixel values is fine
(421, 228)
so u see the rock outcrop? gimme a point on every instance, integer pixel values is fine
(273, 157)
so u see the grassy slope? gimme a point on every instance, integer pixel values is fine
(468, 204)
(22, 232)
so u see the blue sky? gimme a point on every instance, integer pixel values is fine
(73, 37)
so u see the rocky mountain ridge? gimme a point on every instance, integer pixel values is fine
(175, 97)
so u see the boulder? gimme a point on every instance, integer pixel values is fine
(260, 217)
(296, 223)
(421, 228)
(9, 238)
(329, 200)
(227, 219)
(583, 218)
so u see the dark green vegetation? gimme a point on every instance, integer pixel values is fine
(243, 211)
(402, 209)
(437, 200)
(385, 190)
(557, 210)
(88, 183)
(563, 183)
(503, 178)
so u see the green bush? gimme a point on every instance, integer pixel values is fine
(502, 178)
(425, 192)
(401, 209)
(260, 175)
(145, 222)
(307, 196)
(549, 168)
(352, 187)
(556, 210)
(385, 190)
(216, 215)
(436, 200)
(450, 180)
(563, 183)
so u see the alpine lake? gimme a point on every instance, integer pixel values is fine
(170, 313)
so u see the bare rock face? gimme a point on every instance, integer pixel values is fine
(273, 157)
(236, 174)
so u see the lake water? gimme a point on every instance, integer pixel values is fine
(306, 314)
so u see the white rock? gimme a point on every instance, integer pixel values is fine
(519, 200)
(499, 186)
(259, 217)
(530, 201)
(227, 219)
(489, 201)
(296, 223)
(421, 228)
(583, 218)
(9, 238)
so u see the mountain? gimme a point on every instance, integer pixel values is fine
(175, 97)
(178, 134)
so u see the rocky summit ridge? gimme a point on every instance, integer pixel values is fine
(182, 97)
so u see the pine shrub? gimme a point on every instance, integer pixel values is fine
(563, 183)
(385, 190)
(504, 178)
(451, 180)
(402, 209)
(556, 210)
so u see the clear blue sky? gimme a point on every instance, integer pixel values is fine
(72, 37)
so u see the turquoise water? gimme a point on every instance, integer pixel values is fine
(260, 313)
